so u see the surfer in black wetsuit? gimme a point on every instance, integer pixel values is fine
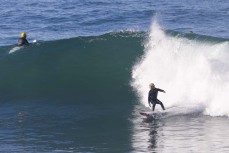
(152, 97)
(23, 41)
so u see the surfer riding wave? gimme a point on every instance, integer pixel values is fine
(152, 96)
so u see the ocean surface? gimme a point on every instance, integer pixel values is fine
(82, 82)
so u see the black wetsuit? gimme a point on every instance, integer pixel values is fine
(152, 98)
(22, 41)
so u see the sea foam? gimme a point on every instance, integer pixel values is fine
(191, 71)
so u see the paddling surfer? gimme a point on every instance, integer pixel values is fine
(22, 41)
(152, 97)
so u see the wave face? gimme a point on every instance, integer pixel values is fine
(192, 69)
(92, 69)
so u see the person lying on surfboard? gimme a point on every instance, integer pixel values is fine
(152, 97)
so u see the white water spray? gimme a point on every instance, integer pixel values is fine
(191, 72)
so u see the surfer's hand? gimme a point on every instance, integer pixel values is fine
(164, 91)
(149, 105)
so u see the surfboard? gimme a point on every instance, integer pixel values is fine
(15, 49)
(153, 115)
(146, 114)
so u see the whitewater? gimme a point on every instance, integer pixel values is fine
(193, 72)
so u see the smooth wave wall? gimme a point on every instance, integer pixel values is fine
(94, 69)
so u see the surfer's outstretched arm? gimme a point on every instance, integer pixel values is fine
(161, 90)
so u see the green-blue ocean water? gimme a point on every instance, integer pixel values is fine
(81, 86)
(69, 95)
(76, 95)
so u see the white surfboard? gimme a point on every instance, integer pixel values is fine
(15, 49)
